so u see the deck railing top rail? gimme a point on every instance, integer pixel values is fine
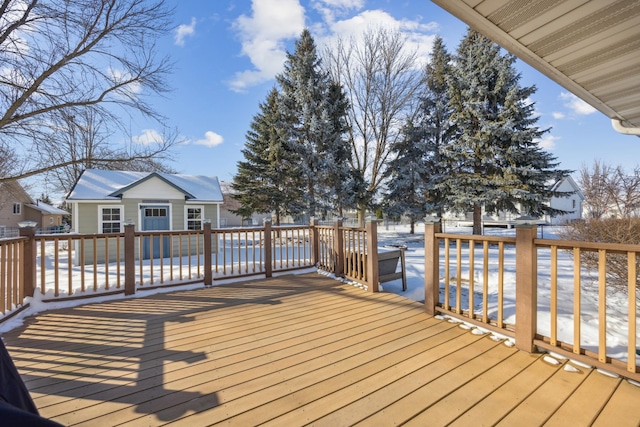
(592, 246)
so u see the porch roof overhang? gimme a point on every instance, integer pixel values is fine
(590, 47)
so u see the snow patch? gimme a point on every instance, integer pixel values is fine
(607, 373)
(557, 356)
(570, 368)
(581, 364)
(550, 360)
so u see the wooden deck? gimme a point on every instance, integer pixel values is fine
(292, 351)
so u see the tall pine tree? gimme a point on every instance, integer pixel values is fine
(267, 180)
(314, 108)
(437, 129)
(417, 167)
(407, 173)
(495, 161)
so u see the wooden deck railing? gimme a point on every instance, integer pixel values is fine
(480, 272)
(349, 252)
(92, 265)
(573, 342)
(465, 278)
(12, 290)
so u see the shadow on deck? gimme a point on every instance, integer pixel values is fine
(295, 350)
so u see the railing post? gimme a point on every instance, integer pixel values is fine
(268, 264)
(372, 255)
(129, 259)
(315, 242)
(338, 248)
(526, 284)
(208, 275)
(28, 258)
(431, 265)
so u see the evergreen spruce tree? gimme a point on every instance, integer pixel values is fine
(434, 118)
(314, 109)
(267, 180)
(418, 168)
(406, 173)
(495, 161)
(336, 181)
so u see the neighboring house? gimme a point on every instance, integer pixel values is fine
(49, 218)
(572, 204)
(17, 206)
(103, 200)
(13, 199)
(230, 219)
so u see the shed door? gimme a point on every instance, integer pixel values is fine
(155, 218)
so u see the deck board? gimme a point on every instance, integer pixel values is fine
(455, 403)
(289, 351)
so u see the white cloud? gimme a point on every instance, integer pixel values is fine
(147, 137)
(548, 142)
(577, 105)
(184, 31)
(419, 35)
(331, 9)
(273, 23)
(211, 139)
(263, 37)
(558, 115)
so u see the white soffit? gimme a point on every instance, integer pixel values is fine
(591, 47)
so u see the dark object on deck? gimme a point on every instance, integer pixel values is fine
(16, 406)
(388, 263)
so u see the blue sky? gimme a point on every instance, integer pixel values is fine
(227, 53)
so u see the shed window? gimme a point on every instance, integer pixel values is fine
(17, 208)
(194, 216)
(111, 219)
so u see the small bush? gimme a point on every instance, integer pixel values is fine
(607, 230)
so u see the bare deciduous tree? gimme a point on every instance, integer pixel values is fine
(612, 205)
(86, 141)
(61, 58)
(380, 77)
(610, 191)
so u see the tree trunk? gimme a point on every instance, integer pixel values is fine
(362, 212)
(477, 219)
(413, 226)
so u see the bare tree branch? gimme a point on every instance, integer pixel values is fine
(61, 58)
(610, 191)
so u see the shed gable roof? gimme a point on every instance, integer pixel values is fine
(119, 192)
(96, 184)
